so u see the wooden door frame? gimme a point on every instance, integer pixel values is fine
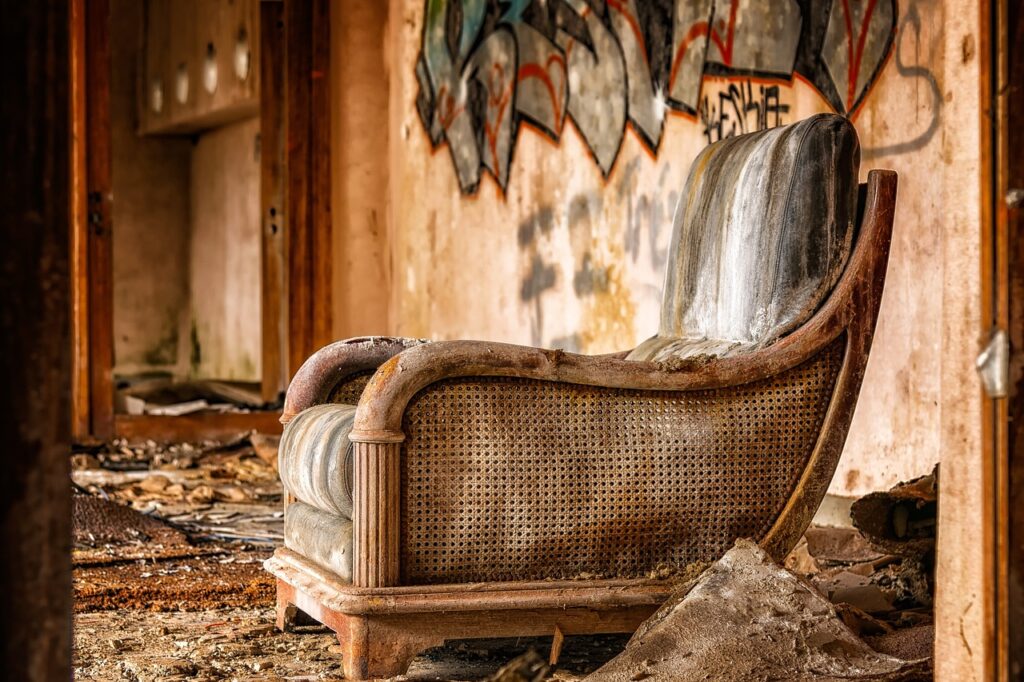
(35, 517)
(295, 205)
(1008, 97)
(308, 185)
(91, 245)
(1002, 271)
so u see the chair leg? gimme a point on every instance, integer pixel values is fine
(372, 649)
(286, 612)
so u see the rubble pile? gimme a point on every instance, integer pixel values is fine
(881, 574)
(851, 603)
(747, 619)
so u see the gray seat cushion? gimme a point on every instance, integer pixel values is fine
(321, 537)
(761, 235)
(315, 458)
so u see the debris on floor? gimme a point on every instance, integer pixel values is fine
(175, 527)
(215, 490)
(169, 581)
(162, 396)
(222, 576)
(170, 539)
(97, 522)
(885, 567)
(747, 618)
(243, 644)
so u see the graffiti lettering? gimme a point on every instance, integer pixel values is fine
(921, 74)
(741, 108)
(486, 66)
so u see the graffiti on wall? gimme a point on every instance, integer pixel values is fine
(487, 67)
(742, 107)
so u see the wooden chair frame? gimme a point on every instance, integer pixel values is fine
(382, 624)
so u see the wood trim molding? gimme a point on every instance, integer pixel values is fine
(307, 187)
(273, 268)
(354, 599)
(375, 520)
(966, 564)
(91, 223)
(98, 225)
(81, 408)
(193, 427)
(1011, 507)
(320, 171)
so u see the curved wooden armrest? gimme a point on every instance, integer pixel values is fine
(323, 370)
(852, 307)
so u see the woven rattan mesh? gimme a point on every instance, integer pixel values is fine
(351, 388)
(515, 479)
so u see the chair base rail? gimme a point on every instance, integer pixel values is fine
(381, 630)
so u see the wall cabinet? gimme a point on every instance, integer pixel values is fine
(199, 64)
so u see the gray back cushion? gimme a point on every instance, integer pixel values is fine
(762, 233)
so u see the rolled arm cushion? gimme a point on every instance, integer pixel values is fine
(315, 464)
(760, 238)
(315, 458)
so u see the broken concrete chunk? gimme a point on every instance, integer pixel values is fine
(746, 619)
(859, 591)
(530, 667)
(839, 545)
(901, 520)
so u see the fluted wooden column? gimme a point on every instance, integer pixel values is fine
(375, 521)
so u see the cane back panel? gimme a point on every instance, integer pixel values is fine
(350, 389)
(517, 479)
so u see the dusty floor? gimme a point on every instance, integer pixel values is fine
(178, 592)
(242, 644)
(231, 578)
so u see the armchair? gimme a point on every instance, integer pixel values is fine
(472, 489)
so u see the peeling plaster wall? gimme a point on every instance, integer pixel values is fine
(225, 253)
(566, 257)
(922, 121)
